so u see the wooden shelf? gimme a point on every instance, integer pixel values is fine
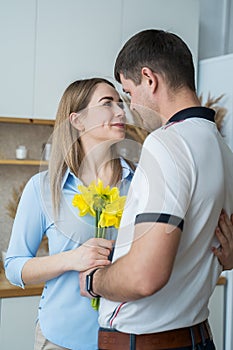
(27, 121)
(23, 162)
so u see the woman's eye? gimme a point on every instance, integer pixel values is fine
(108, 103)
(121, 105)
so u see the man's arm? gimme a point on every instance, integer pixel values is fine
(145, 269)
(224, 233)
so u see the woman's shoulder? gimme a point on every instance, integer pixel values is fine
(36, 182)
(39, 177)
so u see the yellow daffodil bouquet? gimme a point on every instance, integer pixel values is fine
(103, 203)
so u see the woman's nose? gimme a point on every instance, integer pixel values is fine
(119, 109)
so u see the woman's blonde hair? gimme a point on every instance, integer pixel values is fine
(66, 149)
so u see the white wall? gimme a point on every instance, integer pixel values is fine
(215, 77)
(216, 28)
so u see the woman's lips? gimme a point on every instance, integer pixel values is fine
(119, 125)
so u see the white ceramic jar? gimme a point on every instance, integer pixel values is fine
(21, 152)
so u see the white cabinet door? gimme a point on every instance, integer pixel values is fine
(180, 17)
(17, 43)
(45, 45)
(75, 39)
(216, 318)
(17, 323)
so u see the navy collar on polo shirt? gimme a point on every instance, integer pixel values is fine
(193, 112)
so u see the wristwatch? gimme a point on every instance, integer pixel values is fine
(89, 283)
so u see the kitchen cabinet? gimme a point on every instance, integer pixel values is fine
(17, 40)
(167, 15)
(17, 323)
(18, 313)
(78, 39)
(217, 314)
(46, 45)
(81, 39)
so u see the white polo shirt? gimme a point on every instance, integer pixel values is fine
(184, 178)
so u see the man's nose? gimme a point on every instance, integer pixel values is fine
(132, 106)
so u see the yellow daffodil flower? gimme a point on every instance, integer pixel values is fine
(105, 204)
(111, 215)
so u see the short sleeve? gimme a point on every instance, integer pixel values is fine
(164, 179)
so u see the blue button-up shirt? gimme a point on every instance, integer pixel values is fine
(66, 318)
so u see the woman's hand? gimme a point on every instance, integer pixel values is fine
(91, 254)
(224, 233)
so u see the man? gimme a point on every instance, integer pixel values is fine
(158, 287)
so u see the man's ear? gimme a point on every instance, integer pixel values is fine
(150, 78)
(76, 122)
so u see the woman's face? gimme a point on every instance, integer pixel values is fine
(104, 118)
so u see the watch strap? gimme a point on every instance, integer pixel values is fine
(89, 283)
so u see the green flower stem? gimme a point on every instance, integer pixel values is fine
(99, 233)
(102, 232)
(95, 303)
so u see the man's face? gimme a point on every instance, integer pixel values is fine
(141, 102)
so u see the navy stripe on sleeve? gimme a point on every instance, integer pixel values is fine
(160, 217)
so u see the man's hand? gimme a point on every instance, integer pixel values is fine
(224, 233)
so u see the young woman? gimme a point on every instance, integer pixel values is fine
(90, 121)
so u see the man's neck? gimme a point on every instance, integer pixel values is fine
(177, 102)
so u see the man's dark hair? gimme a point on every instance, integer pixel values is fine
(163, 52)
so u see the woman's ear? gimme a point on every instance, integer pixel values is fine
(76, 122)
(150, 78)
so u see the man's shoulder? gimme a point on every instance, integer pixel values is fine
(162, 135)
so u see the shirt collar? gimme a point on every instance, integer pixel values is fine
(193, 112)
(126, 169)
(65, 177)
(126, 172)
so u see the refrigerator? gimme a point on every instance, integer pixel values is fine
(215, 77)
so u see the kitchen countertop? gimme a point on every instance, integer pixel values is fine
(7, 290)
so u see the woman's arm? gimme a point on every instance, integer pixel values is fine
(22, 266)
(91, 254)
(224, 233)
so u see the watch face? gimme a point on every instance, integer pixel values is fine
(88, 283)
